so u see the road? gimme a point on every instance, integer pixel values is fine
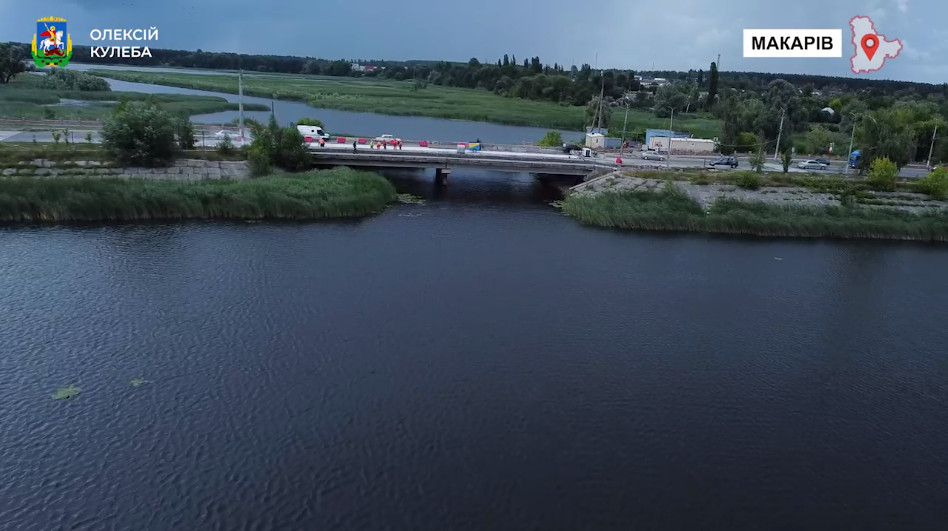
(676, 161)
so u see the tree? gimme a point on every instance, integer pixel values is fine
(276, 146)
(786, 159)
(184, 132)
(712, 85)
(596, 115)
(759, 156)
(311, 121)
(12, 59)
(140, 134)
(551, 139)
(670, 97)
(886, 134)
(882, 174)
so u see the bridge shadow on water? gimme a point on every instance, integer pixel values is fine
(473, 186)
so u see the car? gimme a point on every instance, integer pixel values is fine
(222, 133)
(652, 155)
(723, 161)
(824, 161)
(388, 139)
(812, 164)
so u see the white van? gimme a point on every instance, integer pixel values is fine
(312, 133)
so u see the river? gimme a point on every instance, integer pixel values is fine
(348, 122)
(478, 362)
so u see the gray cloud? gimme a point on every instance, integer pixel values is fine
(669, 35)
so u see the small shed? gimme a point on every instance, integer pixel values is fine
(595, 141)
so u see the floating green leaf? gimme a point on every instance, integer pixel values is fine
(409, 199)
(66, 392)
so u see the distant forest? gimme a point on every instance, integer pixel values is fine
(815, 113)
(502, 75)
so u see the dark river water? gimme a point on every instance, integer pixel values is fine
(478, 362)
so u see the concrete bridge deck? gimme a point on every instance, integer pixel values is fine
(443, 160)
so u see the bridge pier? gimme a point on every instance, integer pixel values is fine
(441, 176)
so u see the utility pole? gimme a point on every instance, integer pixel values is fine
(240, 97)
(852, 136)
(932, 147)
(671, 133)
(779, 134)
(719, 63)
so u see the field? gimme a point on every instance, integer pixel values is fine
(335, 193)
(401, 98)
(22, 98)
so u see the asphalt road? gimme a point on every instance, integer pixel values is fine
(676, 161)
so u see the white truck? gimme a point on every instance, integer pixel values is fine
(312, 133)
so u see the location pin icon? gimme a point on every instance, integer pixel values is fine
(870, 43)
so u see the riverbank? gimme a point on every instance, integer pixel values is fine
(335, 193)
(24, 98)
(636, 203)
(403, 98)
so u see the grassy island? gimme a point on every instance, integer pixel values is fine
(672, 210)
(335, 193)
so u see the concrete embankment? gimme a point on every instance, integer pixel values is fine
(706, 194)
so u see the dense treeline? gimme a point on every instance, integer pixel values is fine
(817, 112)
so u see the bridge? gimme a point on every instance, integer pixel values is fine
(444, 160)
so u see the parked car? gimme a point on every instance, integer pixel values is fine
(812, 164)
(723, 161)
(388, 139)
(652, 155)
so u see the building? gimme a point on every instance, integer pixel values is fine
(649, 133)
(595, 140)
(356, 67)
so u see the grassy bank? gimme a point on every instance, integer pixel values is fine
(672, 210)
(335, 193)
(400, 98)
(23, 98)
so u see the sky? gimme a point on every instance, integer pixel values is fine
(629, 34)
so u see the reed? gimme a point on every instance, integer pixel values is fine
(673, 211)
(335, 193)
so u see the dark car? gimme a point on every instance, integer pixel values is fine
(723, 161)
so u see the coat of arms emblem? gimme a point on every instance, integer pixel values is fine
(52, 45)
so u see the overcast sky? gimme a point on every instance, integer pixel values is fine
(673, 35)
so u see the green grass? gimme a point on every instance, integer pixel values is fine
(399, 98)
(335, 193)
(671, 210)
(22, 98)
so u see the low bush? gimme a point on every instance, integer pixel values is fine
(748, 180)
(935, 184)
(140, 134)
